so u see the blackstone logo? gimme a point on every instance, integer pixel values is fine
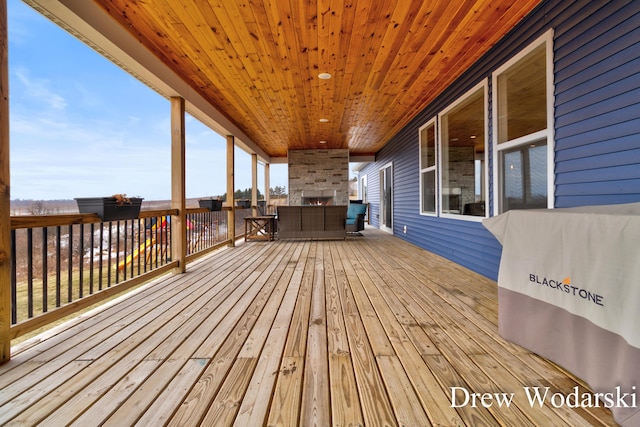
(565, 286)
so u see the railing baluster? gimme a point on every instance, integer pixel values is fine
(110, 245)
(147, 235)
(202, 227)
(167, 231)
(81, 263)
(58, 266)
(211, 228)
(199, 227)
(142, 247)
(101, 258)
(156, 243)
(45, 271)
(30, 273)
(198, 231)
(91, 263)
(164, 247)
(191, 221)
(192, 234)
(135, 263)
(70, 266)
(14, 279)
(124, 251)
(117, 252)
(202, 224)
(161, 254)
(212, 231)
(132, 271)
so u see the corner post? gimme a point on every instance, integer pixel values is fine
(5, 195)
(178, 187)
(231, 216)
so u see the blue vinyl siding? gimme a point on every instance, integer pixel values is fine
(373, 194)
(597, 125)
(598, 108)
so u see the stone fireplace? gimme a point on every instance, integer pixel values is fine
(318, 177)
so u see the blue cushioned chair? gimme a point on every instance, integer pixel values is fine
(355, 217)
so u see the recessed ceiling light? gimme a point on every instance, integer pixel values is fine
(324, 76)
(324, 120)
(323, 142)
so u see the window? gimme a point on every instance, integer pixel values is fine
(523, 123)
(463, 155)
(524, 176)
(428, 168)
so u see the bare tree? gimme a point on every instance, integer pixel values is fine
(38, 208)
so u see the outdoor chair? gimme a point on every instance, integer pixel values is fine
(355, 217)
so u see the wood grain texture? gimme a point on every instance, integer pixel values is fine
(367, 331)
(5, 194)
(258, 61)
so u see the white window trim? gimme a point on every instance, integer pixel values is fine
(381, 185)
(548, 133)
(482, 85)
(363, 183)
(433, 122)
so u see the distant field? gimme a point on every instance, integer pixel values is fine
(58, 207)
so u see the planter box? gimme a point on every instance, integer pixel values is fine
(211, 204)
(246, 204)
(108, 209)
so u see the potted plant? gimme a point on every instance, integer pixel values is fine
(113, 208)
(211, 204)
(243, 203)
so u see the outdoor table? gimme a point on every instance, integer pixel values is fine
(259, 227)
(569, 290)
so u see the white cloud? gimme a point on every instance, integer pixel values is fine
(39, 91)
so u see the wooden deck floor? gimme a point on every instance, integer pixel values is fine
(368, 331)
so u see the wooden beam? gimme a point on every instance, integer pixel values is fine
(254, 183)
(231, 218)
(178, 186)
(5, 194)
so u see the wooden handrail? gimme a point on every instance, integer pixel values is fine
(34, 221)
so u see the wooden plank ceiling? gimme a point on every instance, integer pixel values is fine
(258, 61)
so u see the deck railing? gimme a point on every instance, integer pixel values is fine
(63, 263)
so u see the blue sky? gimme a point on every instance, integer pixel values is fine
(82, 127)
